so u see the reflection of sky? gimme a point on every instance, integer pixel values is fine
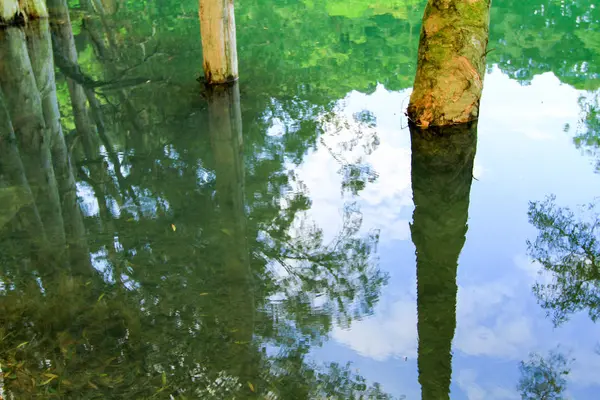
(523, 154)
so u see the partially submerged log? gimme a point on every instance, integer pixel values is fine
(217, 28)
(17, 12)
(451, 63)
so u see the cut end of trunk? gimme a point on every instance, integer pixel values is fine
(18, 12)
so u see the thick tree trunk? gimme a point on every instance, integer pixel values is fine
(13, 174)
(225, 123)
(217, 28)
(42, 61)
(17, 12)
(451, 63)
(24, 105)
(442, 167)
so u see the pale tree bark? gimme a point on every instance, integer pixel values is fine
(217, 28)
(451, 63)
(17, 12)
(42, 61)
(225, 124)
(12, 173)
(24, 105)
(442, 168)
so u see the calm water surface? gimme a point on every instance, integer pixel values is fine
(284, 238)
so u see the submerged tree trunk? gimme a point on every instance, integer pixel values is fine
(64, 50)
(217, 28)
(442, 167)
(225, 123)
(13, 174)
(451, 63)
(24, 105)
(42, 61)
(17, 12)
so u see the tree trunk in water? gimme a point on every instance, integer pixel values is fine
(217, 28)
(42, 61)
(64, 48)
(451, 63)
(26, 113)
(442, 168)
(225, 123)
(17, 12)
(13, 173)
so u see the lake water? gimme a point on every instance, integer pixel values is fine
(284, 237)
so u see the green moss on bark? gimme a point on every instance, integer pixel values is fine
(451, 63)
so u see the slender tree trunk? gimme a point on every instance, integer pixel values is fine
(225, 123)
(442, 168)
(64, 48)
(451, 63)
(24, 104)
(17, 12)
(219, 49)
(42, 61)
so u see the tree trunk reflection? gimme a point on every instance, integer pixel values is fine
(442, 172)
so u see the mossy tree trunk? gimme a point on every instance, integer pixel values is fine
(17, 12)
(451, 63)
(217, 28)
(442, 168)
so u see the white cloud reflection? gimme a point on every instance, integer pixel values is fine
(497, 316)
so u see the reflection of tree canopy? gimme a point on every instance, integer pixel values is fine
(567, 247)
(543, 377)
(587, 135)
(528, 38)
(165, 311)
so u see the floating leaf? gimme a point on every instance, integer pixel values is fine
(22, 344)
(204, 294)
(164, 378)
(47, 381)
(173, 227)
(251, 386)
(226, 231)
(101, 296)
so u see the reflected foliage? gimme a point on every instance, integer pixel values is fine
(544, 377)
(587, 135)
(203, 275)
(567, 248)
(528, 38)
(188, 266)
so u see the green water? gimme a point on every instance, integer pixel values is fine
(285, 238)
